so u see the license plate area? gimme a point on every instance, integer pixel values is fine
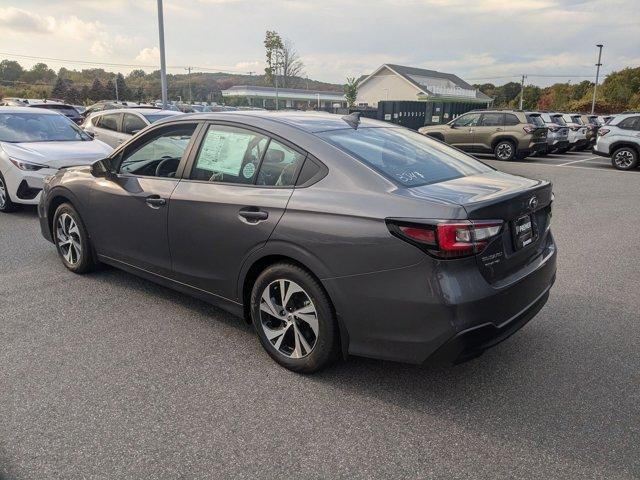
(524, 231)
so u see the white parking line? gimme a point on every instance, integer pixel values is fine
(578, 161)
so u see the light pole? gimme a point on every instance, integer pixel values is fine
(276, 72)
(116, 82)
(318, 95)
(163, 66)
(595, 86)
(188, 69)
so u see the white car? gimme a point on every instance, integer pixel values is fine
(35, 143)
(114, 127)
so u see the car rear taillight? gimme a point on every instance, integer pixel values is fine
(553, 128)
(529, 128)
(575, 128)
(603, 131)
(447, 239)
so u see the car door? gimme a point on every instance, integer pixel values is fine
(629, 129)
(107, 129)
(490, 125)
(233, 197)
(461, 131)
(128, 220)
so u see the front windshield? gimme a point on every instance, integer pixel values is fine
(407, 157)
(39, 127)
(557, 119)
(535, 120)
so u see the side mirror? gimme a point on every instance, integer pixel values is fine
(91, 134)
(452, 125)
(103, 169)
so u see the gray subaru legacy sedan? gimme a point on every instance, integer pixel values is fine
(333, 235)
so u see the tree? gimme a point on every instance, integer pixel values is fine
(60, 88)
(39, 73)
(10, 70)
(292, 66)
(273, 46)
(136, 74)
(110, 90)
(351, 91)
(97, 91)
(123, 90)
(282, 59)
(72, 96)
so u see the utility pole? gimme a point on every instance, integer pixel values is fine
(116, 82)
(163, 66)
(595, 86)
(188, 69)
(276, 72)
(522, 91)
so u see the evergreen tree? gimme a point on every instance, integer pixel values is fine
(110, 91)
(97, 91)
(123, 90)
(60, 88)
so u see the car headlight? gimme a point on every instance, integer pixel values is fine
(28, 166)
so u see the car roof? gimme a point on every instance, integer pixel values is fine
(27, 110)
(140, 110)
(308, 121)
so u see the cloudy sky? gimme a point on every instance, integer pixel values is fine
(480, 40)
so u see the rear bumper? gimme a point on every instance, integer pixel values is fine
(411, 313)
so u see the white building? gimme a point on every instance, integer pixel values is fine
(397, 82)
(298, 98)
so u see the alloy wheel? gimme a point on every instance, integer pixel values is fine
(68, 239)
(3, 194)
(289, 318)
(623, 159)
(504, 151)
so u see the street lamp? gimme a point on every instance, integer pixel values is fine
(595, 86)
(163, 66)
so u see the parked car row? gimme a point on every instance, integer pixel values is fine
(516, 134)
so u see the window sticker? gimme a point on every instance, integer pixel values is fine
(248, 170)
(224, 152)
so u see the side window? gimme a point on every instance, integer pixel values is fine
(632, 123)
(468, 120)
(132, 124)
(158, 153)
(491, 120)
(510, 119)
(110, 122)
(229, 154)
(96, 120)
(280, 165)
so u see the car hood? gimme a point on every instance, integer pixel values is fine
(58, 154)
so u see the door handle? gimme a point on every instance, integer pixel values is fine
(154, 201)
(498, 129)
(253, 215)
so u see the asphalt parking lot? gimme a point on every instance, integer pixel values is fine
(111, 376)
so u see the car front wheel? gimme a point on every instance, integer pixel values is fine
(504, 150)
(6, 205)
(625, 158)
(71, 240)
(294, 319)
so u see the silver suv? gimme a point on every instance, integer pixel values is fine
(620, 140)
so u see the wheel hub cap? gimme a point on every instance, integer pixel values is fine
(289, 318)
(68, 239)
(624, 159)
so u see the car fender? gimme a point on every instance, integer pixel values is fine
(503, 137)
(623, 143)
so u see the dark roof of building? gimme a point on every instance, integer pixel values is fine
(258, 88)
(406, 72)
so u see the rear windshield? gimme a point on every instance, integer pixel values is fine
(577, 119)
(64, 109)
(535, 120)
(405, 156)
(155, 117)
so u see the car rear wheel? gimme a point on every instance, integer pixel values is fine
(504, 150)
(6, 205)
(71, 240)
(293, 318)
(625, 158)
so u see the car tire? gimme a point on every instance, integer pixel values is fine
(563, 150)
(6, 205)
(305, 342)
(504, 150)
(625, 158)
(72, 241)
